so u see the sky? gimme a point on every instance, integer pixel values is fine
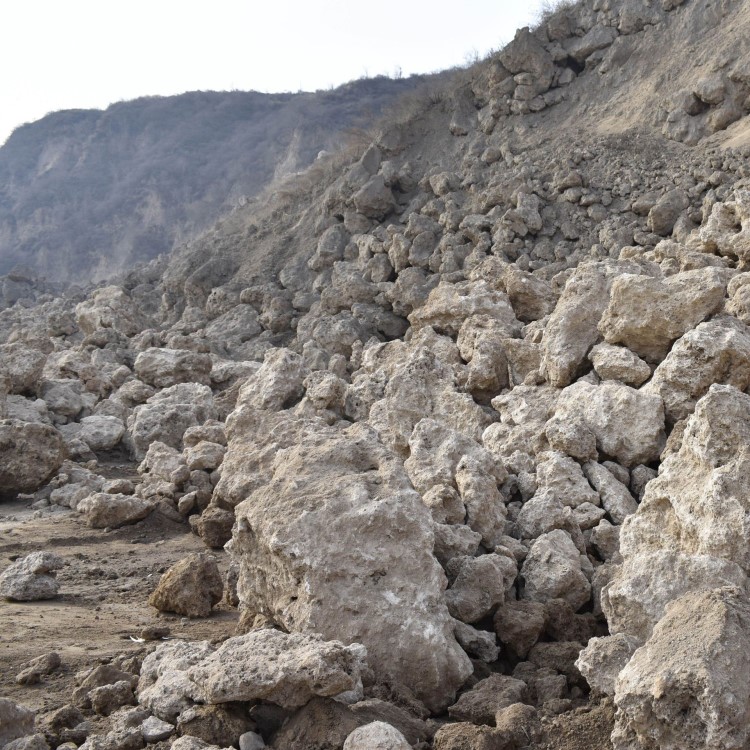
(72, 54)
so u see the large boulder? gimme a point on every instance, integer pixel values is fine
(22, 365)
(319, 543)
(572, 327)
(688, 686)
(31, 454)
(191, 587)
(611, 419)
(647, 314)
(162, 368)
(110, 511)
(110, 307)
(168, 414)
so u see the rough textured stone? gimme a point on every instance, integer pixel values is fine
(31, 578)
(479, 585)
(22, 365)
(31, 453)
(190, 587)
(162, 368)
(622, 423)
(687, 686)
(717, 351)
(290, 532)
(480, 704)
(572, 327)
(283, 669)
(15, 721)
(552, 570)
(619, 363)
(110, 307)
(376, 736)
(103, 510)
(647, 314)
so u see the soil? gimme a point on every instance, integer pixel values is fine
(103, 603)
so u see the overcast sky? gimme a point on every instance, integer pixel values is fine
(68, 54)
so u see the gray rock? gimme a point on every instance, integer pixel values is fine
(31, 453)
(15, 721)
(32, 578)
(376, 736)
(156, 730)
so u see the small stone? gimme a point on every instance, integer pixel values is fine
(156, 730)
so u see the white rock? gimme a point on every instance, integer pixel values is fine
(376, 736)
(156, 730)
(31, 578)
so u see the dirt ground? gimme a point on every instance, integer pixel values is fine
(103, 601)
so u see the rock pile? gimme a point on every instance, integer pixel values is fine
(475, 445)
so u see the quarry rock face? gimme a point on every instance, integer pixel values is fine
(461, 412)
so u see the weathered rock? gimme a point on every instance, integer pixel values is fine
(518, 725)
(604, 658)
(103, 510)
(647, 314)
(23, 367)
(519, 625)
(615, 498)
(552, 570)
(204, 456)
(191, 587)
(156, 730)
(168, 414)
(374, 199)
(108, 698)
(193, 743)
(31, 578)
(213, 526)
(345, 483)
(717, 351)
(563, 479)
(215, 724)
(479, 643)
(619, 363)
(162, 368)
(688, 687)
(572, 327)
(15, 721)
(689, 531)
(30, 742)
(480, 704)
(110, 307)
(479, 585)
(101, 433)
(663, 216)
(31, 453)
(623, 423)
(376, 736)
(525, 54)
(287, 670)
(32, 672)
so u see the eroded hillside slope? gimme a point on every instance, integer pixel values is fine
(463, 416)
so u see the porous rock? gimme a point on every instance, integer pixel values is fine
(31, 453)
(191, 587)
(376, 736)
(32, 578)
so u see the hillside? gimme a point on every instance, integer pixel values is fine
(85, 194)
(461, 411)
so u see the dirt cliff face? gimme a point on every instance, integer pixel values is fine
(463, 414)
(85, 194)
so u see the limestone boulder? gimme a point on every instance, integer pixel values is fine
(285, 669)
(687, 686)
(572, 327)
(111, 307)
(479, 585)
(23, 367)
(103, 510)
(278, 384)
(168, 414)
(616, 420)
(664, 214)
(552, 570)
(648, 314)
(309, 490)
(717, 351)
(31, 578)
(727, 228)
(619, 363)
(525, 54)
(480, 704)
(191, 587)
(101, 433)
(604, 658)
(31, 454)
(376, 735)
(449, 305)
(615, 496)
(163, 368)
(562, 478)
